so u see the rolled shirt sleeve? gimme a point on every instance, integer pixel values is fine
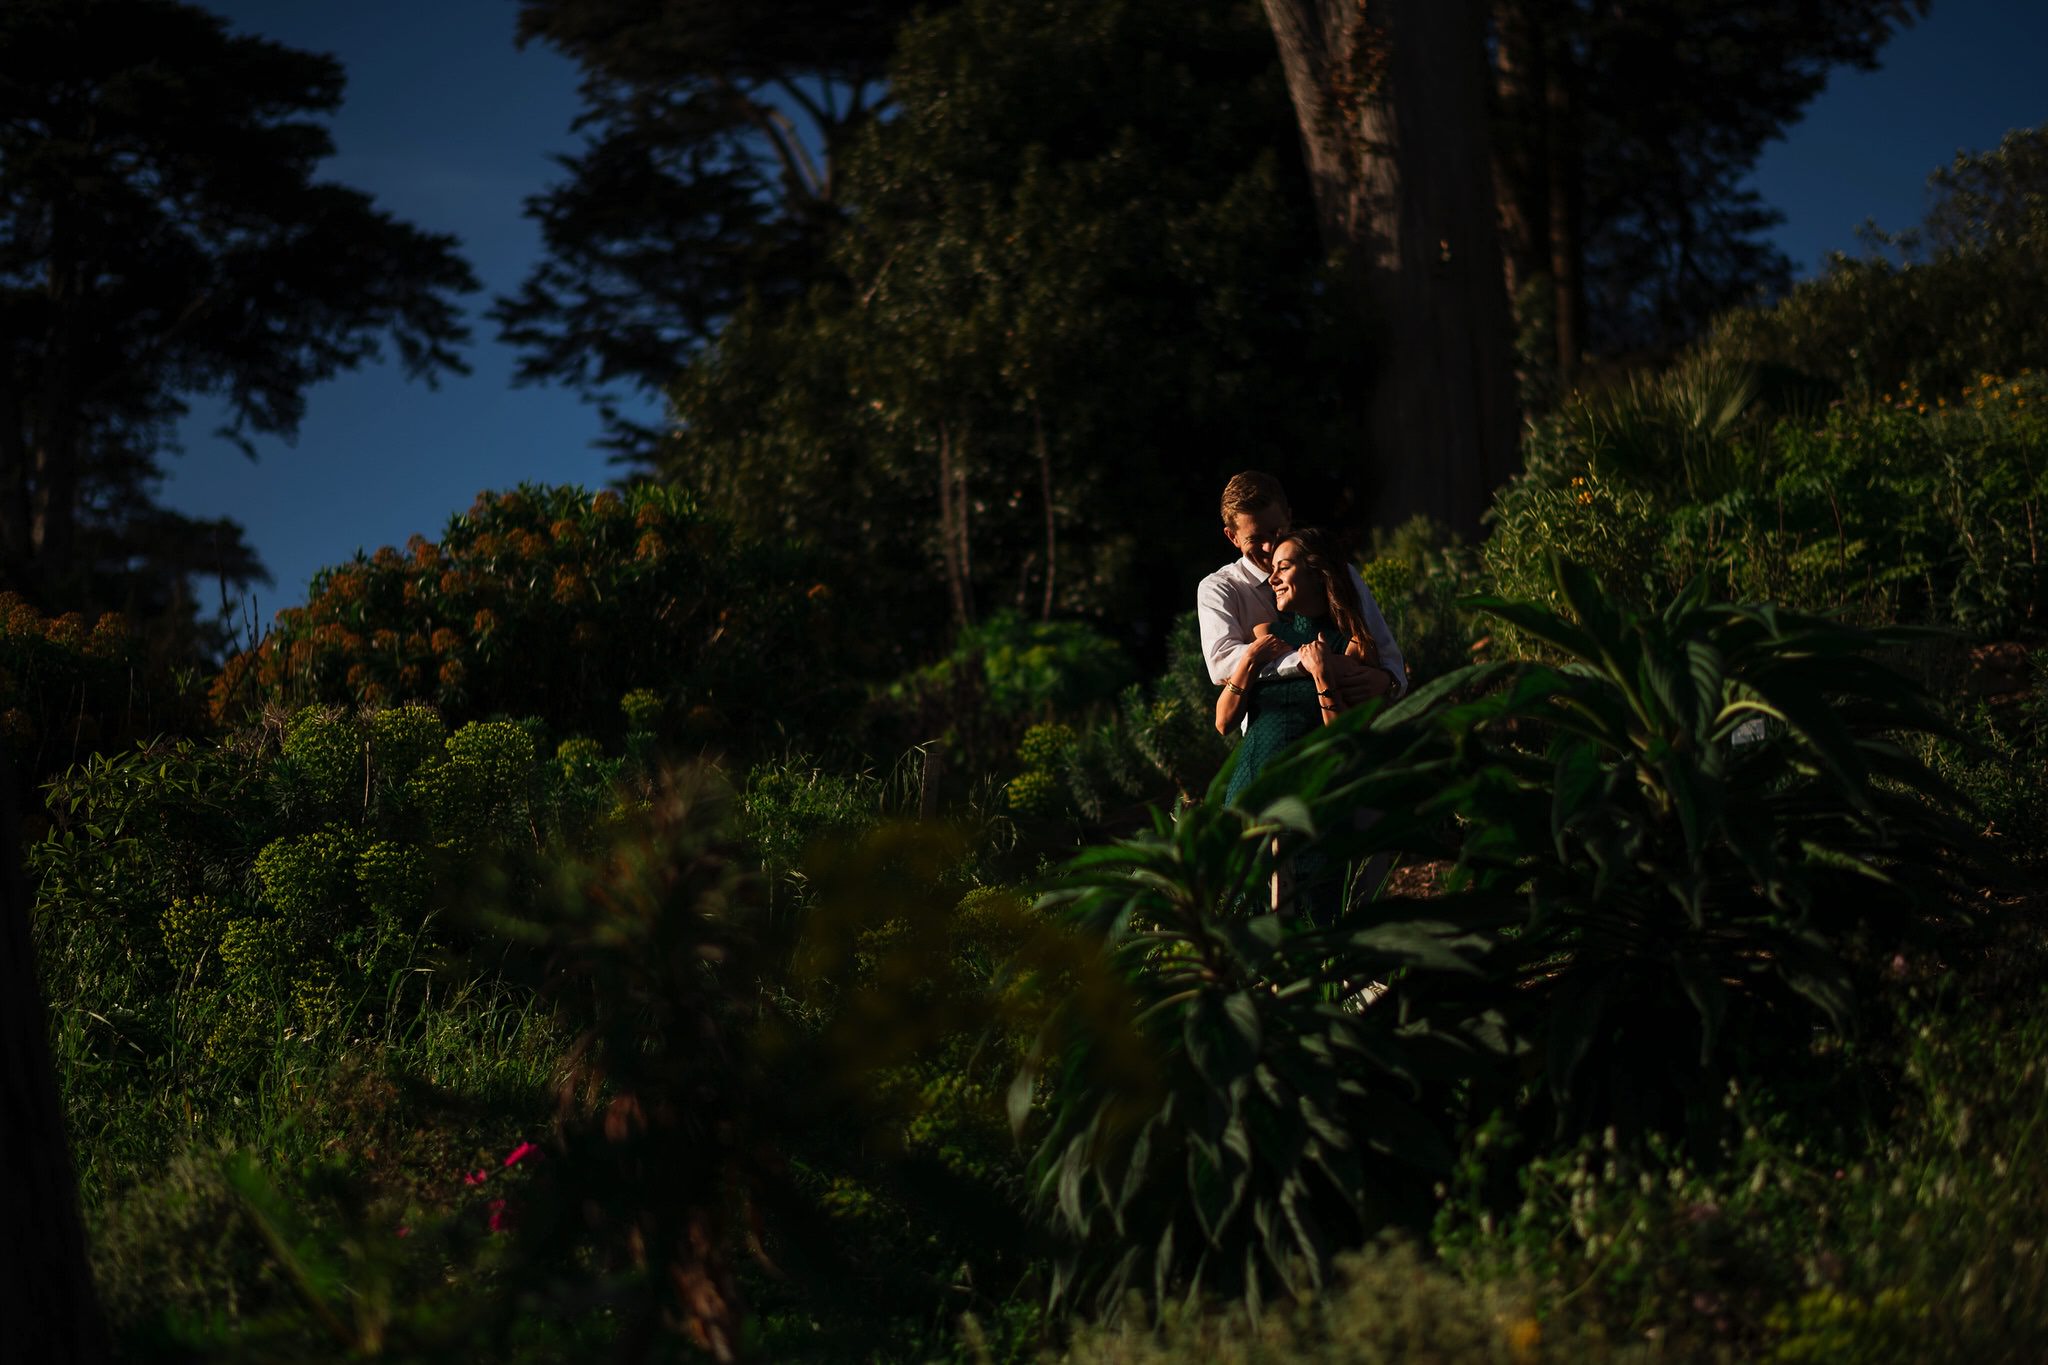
(1224, 637)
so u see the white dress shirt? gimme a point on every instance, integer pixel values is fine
(1237, 598)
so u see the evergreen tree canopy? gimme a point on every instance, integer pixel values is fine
(713, 135)
(162, 236)
(1944, 308)
(1626, 134)
(1078, 286)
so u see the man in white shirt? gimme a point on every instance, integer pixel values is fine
(1237, 598)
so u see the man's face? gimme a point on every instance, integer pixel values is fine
(1257, 534)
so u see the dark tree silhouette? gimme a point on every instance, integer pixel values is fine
(48, 1310)
(1623, 135)
(162, 236)
(714, 132)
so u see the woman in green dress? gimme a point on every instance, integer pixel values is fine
(1320, 617)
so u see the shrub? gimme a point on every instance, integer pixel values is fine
(68, 688)
(549, 602)
(1417, 574)
(1901, 1242)
(1968, 292)
(1718, 835)
(1562, 505)
(1220, 1116)
(1000, 676)
(1159, 744)
(1700, 828)
(214, 916)
(1917, 508)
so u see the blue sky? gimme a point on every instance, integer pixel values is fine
(451, 127)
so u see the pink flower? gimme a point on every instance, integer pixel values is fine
(476, 1177)
(520, 1153)
(404, 1231)
(500, 1219)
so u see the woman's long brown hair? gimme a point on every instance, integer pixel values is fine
(1318, 554)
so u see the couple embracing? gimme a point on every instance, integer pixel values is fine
(1290, 632)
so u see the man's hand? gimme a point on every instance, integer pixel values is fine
(1354, 681)
(1264, 649)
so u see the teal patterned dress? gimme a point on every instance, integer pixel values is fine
(1281, 710)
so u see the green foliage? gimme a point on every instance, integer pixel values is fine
(1158, 744)
(1222, 1116)
(1914, 508)
(1700, 826)
(550, 602)
(1072, 306)
(1717, 837)
(1905, 1242)
(1561, 505)
(786, 807)
(1969, 295)
(217, 918)
(1386, 1304)
(68, 689)
(1042, 755)
(1418, 573)
(662, 228)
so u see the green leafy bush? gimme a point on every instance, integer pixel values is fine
(1904, 1240)
(1418, 573)
(1718, 834)
(68, 688)
(550, 602)
(216, 917)
(1700, 828)
(1159, 744)
(999, 677)
(1912, 508)
(1562, 505)
(1221, 1118)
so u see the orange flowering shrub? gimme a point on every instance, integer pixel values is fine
(69, 687)
(552, 602)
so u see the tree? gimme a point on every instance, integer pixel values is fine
(1079, 286)
(1937, 308)
(1390, 98)
(1622, 138)
(162, 236)
(48, 1310)
(714, 132)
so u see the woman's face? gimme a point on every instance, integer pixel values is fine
(1294, 587)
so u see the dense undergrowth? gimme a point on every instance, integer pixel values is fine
(540, 952)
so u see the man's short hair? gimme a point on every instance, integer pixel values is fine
(1252, 491)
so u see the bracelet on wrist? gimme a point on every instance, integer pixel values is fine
(1229, 686)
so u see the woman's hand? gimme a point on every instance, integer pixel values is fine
(1230, 701)
(1315, 660)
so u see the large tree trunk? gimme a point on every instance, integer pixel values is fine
(48, 1311)
(1520, 187)
(1566, 195)
(1390, 96)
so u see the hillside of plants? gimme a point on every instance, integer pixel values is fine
(785, 906)
(473, 959)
